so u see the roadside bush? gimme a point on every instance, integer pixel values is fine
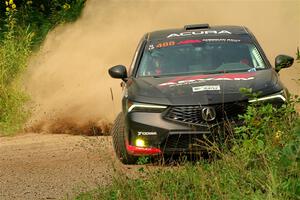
(268, 144)
(264, 163)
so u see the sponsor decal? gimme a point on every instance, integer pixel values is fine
(166, 44)
(188, 33)
(173, 43)
(206, 88)
(146, 133)
(187, 80)
(221, 40)
(189, 42)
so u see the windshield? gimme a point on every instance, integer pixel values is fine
(206, 56)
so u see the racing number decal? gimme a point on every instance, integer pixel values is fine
(165, 44)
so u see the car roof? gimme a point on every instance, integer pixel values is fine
(200, 30)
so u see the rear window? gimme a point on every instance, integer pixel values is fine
(199, 56)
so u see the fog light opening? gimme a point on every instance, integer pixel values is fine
(140, 142)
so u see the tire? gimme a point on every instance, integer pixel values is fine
(118, 137)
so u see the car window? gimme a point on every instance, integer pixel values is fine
(199, 57)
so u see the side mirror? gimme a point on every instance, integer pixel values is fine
(118, 71)
(283, 61)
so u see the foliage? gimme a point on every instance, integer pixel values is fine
(263, 163)
(14, 52)
(43, 15)
(24, 25)
(143, 160)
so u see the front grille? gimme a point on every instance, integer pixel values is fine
(193, 114)
(183, 142)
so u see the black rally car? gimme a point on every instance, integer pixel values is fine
(183, 82)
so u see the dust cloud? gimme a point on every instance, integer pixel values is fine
(68, 78)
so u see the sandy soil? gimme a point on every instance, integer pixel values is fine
(37, 166)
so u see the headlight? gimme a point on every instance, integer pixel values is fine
(142, 107)
(279, 96)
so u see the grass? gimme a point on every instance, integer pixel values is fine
(14, 53)
(13, 113)
(263, 163)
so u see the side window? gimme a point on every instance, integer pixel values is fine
(146, 67)
(256, 58)
(135, 57)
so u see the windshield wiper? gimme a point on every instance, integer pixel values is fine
(235, 70)
(156, 76)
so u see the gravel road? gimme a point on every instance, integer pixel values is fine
(39, 166)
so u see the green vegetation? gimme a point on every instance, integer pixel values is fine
(262, 163)
(24, 25)
(40, 16)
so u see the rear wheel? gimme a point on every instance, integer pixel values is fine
(118, 136)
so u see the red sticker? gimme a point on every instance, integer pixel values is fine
(189, 41)
(183, 80)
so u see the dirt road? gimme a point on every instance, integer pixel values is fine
(37, 166)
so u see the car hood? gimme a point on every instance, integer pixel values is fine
(202, 89)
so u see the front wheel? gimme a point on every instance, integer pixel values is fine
(118, 137)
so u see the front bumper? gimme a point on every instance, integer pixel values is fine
(184, 128)
(168, 136)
